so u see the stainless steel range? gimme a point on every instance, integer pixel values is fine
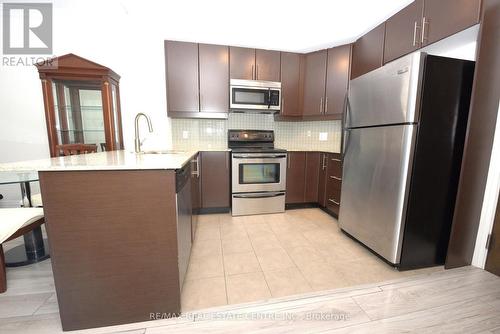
(258, 173)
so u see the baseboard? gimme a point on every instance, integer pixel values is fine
(333, 214)
(293, 206)
(214, 210)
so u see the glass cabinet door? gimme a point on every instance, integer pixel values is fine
(79, 113)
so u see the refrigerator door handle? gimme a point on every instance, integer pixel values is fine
(345, 127)
(346, 143)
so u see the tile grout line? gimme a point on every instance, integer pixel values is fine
(261, 269)
(223, 265)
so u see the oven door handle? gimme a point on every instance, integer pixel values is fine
(244, 156)
(259, 195)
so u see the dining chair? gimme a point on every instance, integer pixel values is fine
(75, 149)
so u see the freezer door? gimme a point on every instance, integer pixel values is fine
(375, 186)
(387, 95)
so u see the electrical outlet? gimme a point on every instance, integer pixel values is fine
(309, 133)
(323, 136)
(185, 134)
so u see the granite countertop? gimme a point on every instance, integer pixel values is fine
(113, 160)
(309, 150)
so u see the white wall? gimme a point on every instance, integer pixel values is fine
(104, 32)
(490, 200)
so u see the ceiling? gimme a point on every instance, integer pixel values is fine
(288, 25)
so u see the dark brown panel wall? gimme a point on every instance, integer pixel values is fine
(479, 141)
(113, 243)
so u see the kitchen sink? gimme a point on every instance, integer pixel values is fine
(163, 152)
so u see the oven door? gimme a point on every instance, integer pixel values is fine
(257, 98)
(254, 172)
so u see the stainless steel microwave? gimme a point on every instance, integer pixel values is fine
(257, 95)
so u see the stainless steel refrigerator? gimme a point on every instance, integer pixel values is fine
(405, 126)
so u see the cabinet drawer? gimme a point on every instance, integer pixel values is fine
(334, 165)
(333, 200)
(334, 182)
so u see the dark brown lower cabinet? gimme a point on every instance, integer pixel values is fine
(295, 177)
(195, 193)
(311, 177)
(333, 183)
(314, 177)
(215, 180)
(323, 174)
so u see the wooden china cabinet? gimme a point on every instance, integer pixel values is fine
(82, 104)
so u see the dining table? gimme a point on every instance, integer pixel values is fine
(35, 247)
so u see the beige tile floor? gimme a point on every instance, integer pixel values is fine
(252, 258)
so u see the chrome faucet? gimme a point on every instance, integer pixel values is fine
(137, 139)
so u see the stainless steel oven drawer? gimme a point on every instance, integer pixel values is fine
(258, 203)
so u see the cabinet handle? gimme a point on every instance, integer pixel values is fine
(335, 178)
(321, 105)
(334, 202)
(424, 37)
(326, 105)
(198, 171)
(335, 159)
(415, 29)
(324, 162)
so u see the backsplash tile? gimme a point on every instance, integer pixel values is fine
(212, 134)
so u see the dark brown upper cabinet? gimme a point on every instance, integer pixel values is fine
(252, 64)
(426, 21)
(214, 172)
(443, 18)
(290, 84)
(313, 162)
(82, 104)
(214, 78)
(314, 83)
(241, 63)
(337, 80)
(182, 78)
(368, 52)
(326, 77)
(197, 80)
(267, 65)
(403, 31)
(295, 177)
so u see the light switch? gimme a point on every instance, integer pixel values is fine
(185, 134)
(309, 133)
(323, 136)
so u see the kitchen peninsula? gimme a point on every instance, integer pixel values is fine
(113, 232)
